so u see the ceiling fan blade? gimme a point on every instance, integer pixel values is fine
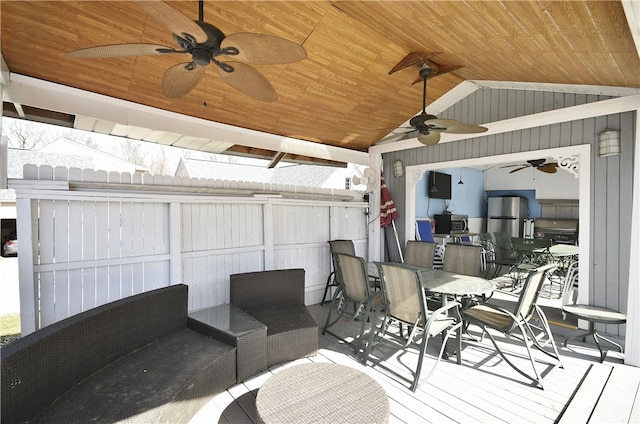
(248, 80)
(442, 123)
(430, 139)
(465, 129)
(181, 79)
(413, 58)
(262, 49)
(121, 50)
(549, 168)
(172, 19)
(396, 135)
(517, 169)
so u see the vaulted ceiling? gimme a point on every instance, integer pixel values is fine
(342, 94)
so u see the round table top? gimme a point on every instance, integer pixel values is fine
(564, 250)
(322, 393)
(596, 314)
(451, 283)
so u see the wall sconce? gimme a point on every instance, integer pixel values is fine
(609, 143)
(398, 168)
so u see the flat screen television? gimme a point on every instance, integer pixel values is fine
(439, 185)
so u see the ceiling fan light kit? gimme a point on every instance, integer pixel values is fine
(206, 44)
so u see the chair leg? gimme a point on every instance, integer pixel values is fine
(339, 304)
(326, 287)
(372, 333)
(536, 377)
(423, 348)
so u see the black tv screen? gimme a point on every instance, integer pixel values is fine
(439, 185)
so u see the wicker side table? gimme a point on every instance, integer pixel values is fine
(322, 393)
(233, 326)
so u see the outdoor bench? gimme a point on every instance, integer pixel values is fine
(135, 359)
(276, 299)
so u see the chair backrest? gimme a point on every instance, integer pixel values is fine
(402, 290)
(419, 253)
(489, 250)
(484, 237)
(352, 274)
(423, 230)
(569, 284)
(462, 258)
(340, 246)
(530, 291)
(529, 245)
(504, 249)
(531, 250)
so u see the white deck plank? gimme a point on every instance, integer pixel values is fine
(483, 389)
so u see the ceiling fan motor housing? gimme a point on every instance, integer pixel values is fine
(203, 52)
(419, 121)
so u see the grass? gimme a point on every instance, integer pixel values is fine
(9, 328)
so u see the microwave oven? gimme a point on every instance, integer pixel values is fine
(450, 223)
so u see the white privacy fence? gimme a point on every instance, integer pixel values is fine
(98, 237)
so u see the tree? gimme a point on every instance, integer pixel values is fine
(26, 135)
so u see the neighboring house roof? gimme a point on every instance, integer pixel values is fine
(298, 175)
(101, 160)
(64, 153)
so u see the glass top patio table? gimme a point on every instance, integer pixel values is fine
(448, 283)
(560, 250)
(454, 284)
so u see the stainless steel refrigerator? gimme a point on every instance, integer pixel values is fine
(507, 214)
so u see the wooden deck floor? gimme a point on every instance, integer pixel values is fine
(484, 389)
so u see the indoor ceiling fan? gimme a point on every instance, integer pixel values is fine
(429, 126)
(206, 43)
(539, 164)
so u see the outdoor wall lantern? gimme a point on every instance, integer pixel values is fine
(398, 169)
(609, 143)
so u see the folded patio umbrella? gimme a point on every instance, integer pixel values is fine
(388, 212)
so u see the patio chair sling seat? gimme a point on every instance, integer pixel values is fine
(516, 323)
(336, 246)
(462, 258)
(419, 253)
(495, 318)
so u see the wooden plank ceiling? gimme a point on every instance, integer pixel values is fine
(341, 94)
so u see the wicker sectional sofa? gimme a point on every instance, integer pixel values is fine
(134, 359)
(276, 298)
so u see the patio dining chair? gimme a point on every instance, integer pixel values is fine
(406, 303)
(419, 253)
(505, 255)
(351, 272)
(531, 254)
(462, 258)
(591, 313)
(516, 323)
(336, 246)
